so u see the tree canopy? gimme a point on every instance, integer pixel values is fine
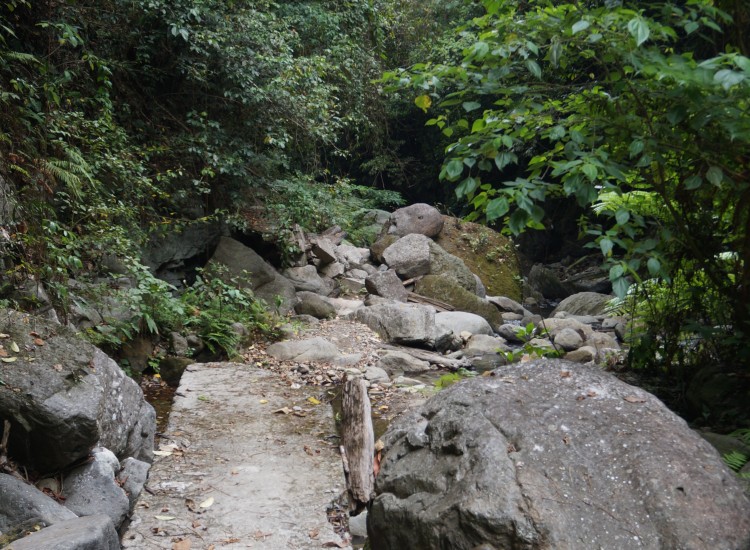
(636, 110)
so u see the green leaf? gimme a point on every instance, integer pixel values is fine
(691, 26)
(557, 132)
(616, 271)
(454, 169)
(466, 187)
(507, 141)
(534, 68)
(555, 51)
(728, 78)
(471, 106)
(606, 245)
(581, 25)
(622, 216)
(620, 287)
(693, 182)
(497, 208)
(423, 102)
(503, 159)
(715, 175)
(477, 126)
(636, 147)
(639, 30)
(591, 171)
(654, 266)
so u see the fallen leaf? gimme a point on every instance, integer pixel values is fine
(591, 393)
(314, 533)
(183, 544)
(634, 399)
(196, 524)
(8, 359)
(564, 374)
(207, 503)
(58, 367)
(163, 453)
(3, 335)
(39, 341)
(14, 347)
(580, 398)
(308, 450)
(283, 410)
(164, 518)
(190, 503)
(258, 535)
(3, 353)
(263, 401)
(334, 544)
(313, 401)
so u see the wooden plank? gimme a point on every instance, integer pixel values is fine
(418, 298)
(357, 445)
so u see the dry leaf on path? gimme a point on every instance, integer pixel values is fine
(634, 399)
(313, 401)
(190, 503)
(334, 544)
(183, 544)
(207, 503)
(39, 341)
(164, 518)
(14, 347)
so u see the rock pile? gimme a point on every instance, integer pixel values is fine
(76, 426)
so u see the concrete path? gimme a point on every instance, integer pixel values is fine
(235, 473)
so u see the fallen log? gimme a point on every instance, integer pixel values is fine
(357, 445)
(437, 304)
(430, 356)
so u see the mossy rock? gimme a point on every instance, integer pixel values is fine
(447, 289)
(486, 253)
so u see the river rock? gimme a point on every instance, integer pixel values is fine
(584, 354)
(314, 304)
(386, 284)
(462, 321)
(482, 344)
(306, 278)
(447, 289)
(352, 256)
(546, 282)
(409, 256)
(568, 339)
(552, 454)
(417, 218)
(583, 303)
(21, 502)
(399, 362)
(92, 488)
(398, 323)
(70, 397)
(246, 266)
(312, 349)
(324, 250)
(132, 477)
(86, 533)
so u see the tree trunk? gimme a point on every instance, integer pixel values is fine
(357, 445)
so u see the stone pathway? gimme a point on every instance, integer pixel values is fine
(235, 473)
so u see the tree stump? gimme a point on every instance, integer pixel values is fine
(357, 445)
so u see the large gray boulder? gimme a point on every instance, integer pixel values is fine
(86, 533)
(462, 321)
(386, 284)
(92, 489)
(250, 269)
(399, 323)
(409, 256)
(306, 279)
(21, 502)
(417, 218)
(583, 303)
(312, 349)
(64, 396)
(552, 454)
(447, 289)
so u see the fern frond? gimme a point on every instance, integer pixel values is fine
(644, 203)
(736, 460)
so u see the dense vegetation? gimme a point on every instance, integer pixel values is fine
(121, 119)
(639, 111)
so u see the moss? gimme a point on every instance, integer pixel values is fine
(447, 289)
(486, 253)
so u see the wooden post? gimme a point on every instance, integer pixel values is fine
(357, 444)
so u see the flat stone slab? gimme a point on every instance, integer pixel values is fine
(239, 473)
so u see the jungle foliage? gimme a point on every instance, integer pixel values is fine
(640, 112)
(120, 118)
